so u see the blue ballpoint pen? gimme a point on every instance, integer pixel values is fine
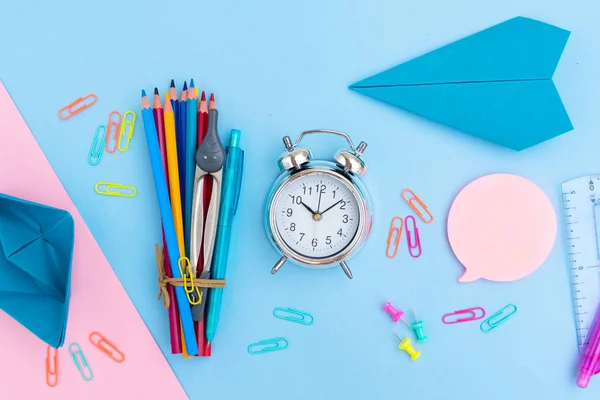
(232, 179)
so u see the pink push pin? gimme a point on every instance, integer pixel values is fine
(395, 314)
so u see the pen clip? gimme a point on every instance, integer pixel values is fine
(238, 177)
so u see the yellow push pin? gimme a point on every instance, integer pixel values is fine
(407, 347)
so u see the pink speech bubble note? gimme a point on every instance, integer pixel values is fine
(501, 227)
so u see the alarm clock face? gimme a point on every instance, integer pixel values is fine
(317, 215)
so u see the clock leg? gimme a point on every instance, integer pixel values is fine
(279, 264)
(346, 269)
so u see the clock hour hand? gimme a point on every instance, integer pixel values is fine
(308, 208)
(335, 204)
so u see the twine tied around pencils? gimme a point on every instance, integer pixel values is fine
(164, 280)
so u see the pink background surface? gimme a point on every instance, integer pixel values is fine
(501, 227)
(98, 301)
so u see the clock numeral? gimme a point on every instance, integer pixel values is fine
(345, 218)
(328, 240)
(309, 190)
(315, 242)
(292, 226)
(334, 193)
(296, 199)
(343, 205)
(340, 232)
(301, 236)
(289, 212)
(320, 188)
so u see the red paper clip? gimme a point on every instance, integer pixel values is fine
(51, 370)
(396, 242)
(471, 312)
(417, 243)
(74, 111)
(116, 125)
(411, 204)
(110, 351)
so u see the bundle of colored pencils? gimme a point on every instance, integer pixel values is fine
(180, 124)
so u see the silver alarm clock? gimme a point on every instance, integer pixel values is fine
(318, 212)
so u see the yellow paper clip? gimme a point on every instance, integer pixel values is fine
(129, 124)
(110, 349)
(126, 191)
(411, 204)
(113, 129)
(51, 367)
(394, 243)
(192, 292)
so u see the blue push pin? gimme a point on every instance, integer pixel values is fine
(417, 327)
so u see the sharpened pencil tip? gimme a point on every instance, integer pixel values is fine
(143, 92)
(203, 98)
(192, 83)
(185, 85)
(172, 83)
(212, 97)
(155, 90)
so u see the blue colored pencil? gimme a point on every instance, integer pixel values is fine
(190, 161)
(160, 180)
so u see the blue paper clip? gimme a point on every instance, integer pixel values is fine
(81, 362)
(268, 345)
(297, 316)
(497, 319)
(95, 154)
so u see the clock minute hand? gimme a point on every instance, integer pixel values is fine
(335, 204)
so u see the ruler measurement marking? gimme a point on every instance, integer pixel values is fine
(579, 198)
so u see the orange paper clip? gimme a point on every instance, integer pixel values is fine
(411, 204)
(71, 110)
(100, 341)
(113, 129)
(391, 242)
(51, 367)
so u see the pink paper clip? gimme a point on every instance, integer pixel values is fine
(417, 242)
(470, 312)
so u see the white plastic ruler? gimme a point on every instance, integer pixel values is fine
(581, 207)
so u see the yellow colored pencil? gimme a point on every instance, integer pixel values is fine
(175, 193)
(171, 144)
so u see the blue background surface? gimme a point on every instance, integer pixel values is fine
(280, 67)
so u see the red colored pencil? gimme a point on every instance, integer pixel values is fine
(174, 329)
(202, 125)
(204, 350)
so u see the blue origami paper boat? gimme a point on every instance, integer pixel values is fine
(36, 253)
(495, 85)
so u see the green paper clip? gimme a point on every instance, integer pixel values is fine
(493, 322)
(297, 316)
(268, 345)
(95, 154)
(81, 362)
(114, 189)
(128, 124)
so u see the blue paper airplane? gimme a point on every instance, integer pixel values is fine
(495, 85)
